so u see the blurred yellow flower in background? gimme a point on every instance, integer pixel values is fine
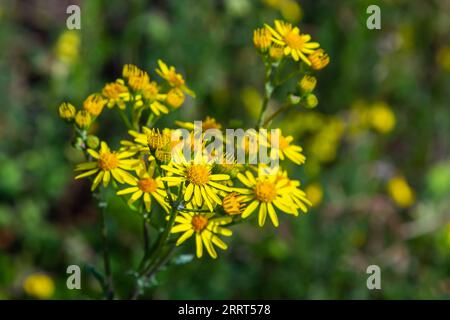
(262, 38)
(39, 285)
(314, 192)
(400, 191)
(381, 117)
(443, 58)
(68, 46)
(289, 9)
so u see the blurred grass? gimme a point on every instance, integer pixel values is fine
(47, 221)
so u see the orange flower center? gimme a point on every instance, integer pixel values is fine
(265, 191)
(293, 40)
(108, 161)
(282, 143)
(148, 185)
(198, 174)
(199, 222)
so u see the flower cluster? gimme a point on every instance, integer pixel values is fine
(177, 178)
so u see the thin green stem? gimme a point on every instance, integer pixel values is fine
(109, 289)
(125, 119)
(276, 113)
(268, 90)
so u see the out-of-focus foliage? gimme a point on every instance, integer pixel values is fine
(377, 145)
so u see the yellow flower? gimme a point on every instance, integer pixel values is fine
(139, 143)
(206, 229)
(276, 52)
(382, 118)
(262, 38)
(157, 139)
(443, 58)
(39, 285)
(293, 42)
(108, 164)
(94, 104)
(307, 83)
(286, 149)
(314, 193)
(137, 79)
(68, 46)
(208, 123)
(233, 203)
(175, 97)
(157, 108)
(173, 78)
(293, 191)
(83, 119)
(265, 192)
(401, 192)
(67, 111)
(116, 93)
(151, 92)
(201, 184)
(147, 187)
(319, 59)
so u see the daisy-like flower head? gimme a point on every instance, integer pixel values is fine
(116, 94)
(94, 104)
(206, 228)
(137, 79)
(172, 77)
(294, 43)
(175, 97)
(262, 38)
(319, 59)
(147, 187)
(265, 193)
(107, 164)
(287, 150)
(202, 186)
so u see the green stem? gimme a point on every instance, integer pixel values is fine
(268, 90)
(275, 114)
(109, 291)
(125, 119)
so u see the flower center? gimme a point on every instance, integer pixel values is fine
(147, 185)
(198, 174)
(265, 191)
(293, 40)
(108, 161)
(199, 222)
(282, 143)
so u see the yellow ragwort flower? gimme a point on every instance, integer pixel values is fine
(381, 117)
(67, 111)
(108, 164)
(116, 94)
(137, 79)
(294, 43)
(172, 77)
(175, 97)
(307, 84)
(94, 104)
(148, 188)
(264, 192)
(233, 203)
(83, 119)
(319, 59)
(206, 229)
(262, 38)
(202, 186)
(288, 150)
(208, 123)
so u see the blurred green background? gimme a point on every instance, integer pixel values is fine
(377, 146)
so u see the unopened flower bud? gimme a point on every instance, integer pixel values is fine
(92, 142)
(67, 111)
(83, 119)
(311, 101)
(307, 83)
